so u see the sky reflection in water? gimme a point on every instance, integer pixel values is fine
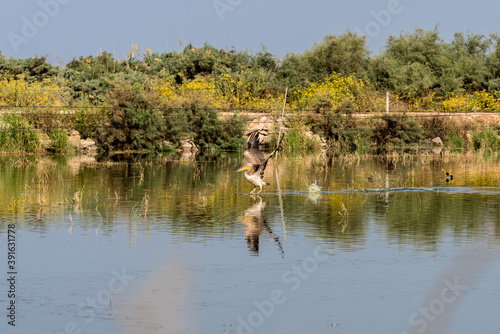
(182, 247)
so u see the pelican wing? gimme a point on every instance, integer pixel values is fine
(264, 163)
(253, 141)
(255, 156)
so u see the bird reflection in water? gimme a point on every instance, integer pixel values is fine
(255, 225)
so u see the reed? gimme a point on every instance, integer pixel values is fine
(145, 204)
(77, 200)
(345, 218)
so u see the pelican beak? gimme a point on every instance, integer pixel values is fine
(248, 166)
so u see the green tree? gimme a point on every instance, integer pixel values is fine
(131, 122)
(345, 54)
(293, 71)
(468, 60)
(411, 63)
(33, 68)
(493, 63)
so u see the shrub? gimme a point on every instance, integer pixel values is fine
(33, 68)
(392, 131)
(130, 123)
(331, 93)
(86, 120)
(338, 127)
(16, 134)
(485, 139)
(17, 91)
(60, 142)
(433, 127)
(455, 142)
(477, 101)
(194, 119)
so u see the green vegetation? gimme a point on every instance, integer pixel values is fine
(393, 131)
(129, 122)
(17, 135)
(485, 139)
(59, 141)
(152, 101)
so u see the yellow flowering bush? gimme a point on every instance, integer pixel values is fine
(331, 92)
(17, 92)
(422, 103)
(223, 92)
(165, 88)
(248, 90)
(200, 89)
(477, 101)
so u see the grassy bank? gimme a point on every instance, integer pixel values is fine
(348, 133)
(337, 132)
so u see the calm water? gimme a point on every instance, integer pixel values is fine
(182, 248)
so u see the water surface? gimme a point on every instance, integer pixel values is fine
(183, 248)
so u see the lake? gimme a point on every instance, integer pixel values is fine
(181, 247)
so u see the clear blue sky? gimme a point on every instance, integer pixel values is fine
(74, 28)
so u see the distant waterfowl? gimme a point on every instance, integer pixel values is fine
(370, 178)
(449, 177)
(256, 162)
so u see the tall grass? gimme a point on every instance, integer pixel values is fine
(455, 141)
(17, 135)
(485, 139)
(59, 141)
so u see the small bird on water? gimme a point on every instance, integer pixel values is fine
(256, 162)
(449, 177)
(370, 178)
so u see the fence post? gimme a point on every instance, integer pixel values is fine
(386, 102)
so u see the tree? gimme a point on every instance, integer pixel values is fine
(468, 60)
(411, 63)
(345, 54)
(131, 122)
(33, 68)
(493, 63)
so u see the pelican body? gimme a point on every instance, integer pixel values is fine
(257, 162)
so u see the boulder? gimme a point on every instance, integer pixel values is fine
(265, 125)
(74, 138)
(88, 146)
(437, 142)
(87, 143)
(188, 146)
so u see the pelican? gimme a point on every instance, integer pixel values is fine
(256, 162)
